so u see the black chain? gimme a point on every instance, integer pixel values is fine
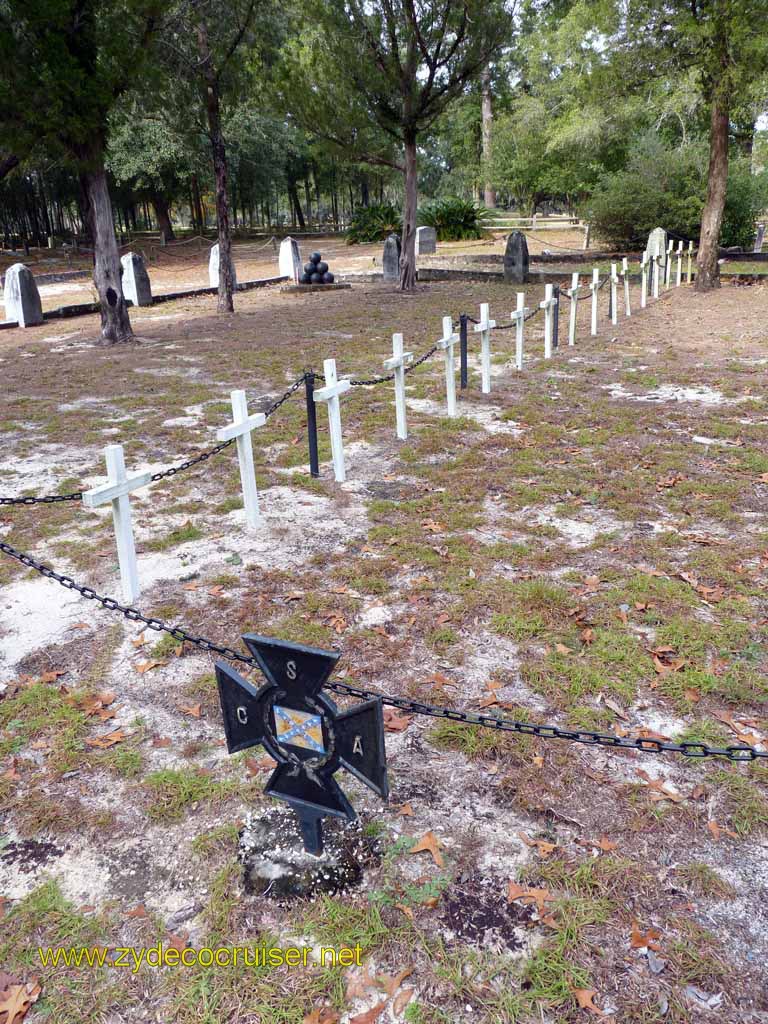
(49, 499)
(499, 723)
(383, 380)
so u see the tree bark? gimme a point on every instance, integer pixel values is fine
(487, 115)
(7, 163)
(293, 195)
(198, 214)
(115, 322)
(218, 150)
(163, 216)
(408, 245)
(707, 267)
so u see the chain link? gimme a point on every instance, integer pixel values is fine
(499, 723)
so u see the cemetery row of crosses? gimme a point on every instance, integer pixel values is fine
(383, 531)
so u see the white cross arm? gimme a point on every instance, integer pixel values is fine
(395, 361)
(448, 341)
(332, 390)
(242, 427)
(547, 303)
(484, 325)
(111, 491)
(520, 314)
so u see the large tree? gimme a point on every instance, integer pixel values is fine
(66, 63)
(399, 64)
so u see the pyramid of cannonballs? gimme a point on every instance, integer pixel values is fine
(316, 271)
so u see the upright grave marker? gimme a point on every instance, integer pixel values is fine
(548, 305)
(397, 363)
(668, 264)
(625, 279)
(573, 294)
(614, 294)
(759, 238)
(518, 318)
(446, 343)
(391, 259)
(679, 277)
(689, 273)
(594, 287)
(117, 490)
(303, 731)
(426, 241)
(21, 297)
(289, 259)
(644, 280)
(656, 248)
(484, 330)
(516, 260)
(240, 428)
(136, 286)
(213, 268)
(330, 394)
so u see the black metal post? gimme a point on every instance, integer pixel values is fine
(463, 350)
(314, 458)
(556, 324)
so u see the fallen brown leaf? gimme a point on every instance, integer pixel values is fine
(429, 844)
(370, 1015)
(584, 997)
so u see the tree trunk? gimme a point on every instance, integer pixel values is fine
(115, 323)
(218, 150)
(198, 213)
(365, 195)
(163, 216)
(408, 246)
(707, 267)
(7, 163)
(487, 113)
(293, 195)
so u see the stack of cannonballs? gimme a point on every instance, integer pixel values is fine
(316, 271)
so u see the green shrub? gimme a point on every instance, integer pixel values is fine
(454, 219)
(373, 223)
(663, 187)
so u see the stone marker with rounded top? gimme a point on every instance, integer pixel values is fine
(330, 395)
(21, 297)
(213, 268)
(289, 259)
(136, 286)
(426, 241)
(391, 259)
(516, 260)
(397, 363)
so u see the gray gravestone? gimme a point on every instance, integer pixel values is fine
(516, 259)
(213, 268)
(289, 259)
(760, 238)
(21, 297)
(391, 259)
(657, 245)
(136, 286)
(426, 241)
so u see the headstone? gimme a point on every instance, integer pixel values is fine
(391, 259)
(759, 238)
(213, 268)
(21, 297)
(516, 259)
(426, 241)
(303, 731)
(136, 286)
(658, 240)
(330, 395)
(289, 259)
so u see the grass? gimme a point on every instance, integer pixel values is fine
(171, 792)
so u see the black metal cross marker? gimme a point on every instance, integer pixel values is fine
(303, 730)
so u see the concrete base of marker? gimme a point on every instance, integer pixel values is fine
(314, 287)
(276, 865)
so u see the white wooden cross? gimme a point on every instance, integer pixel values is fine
(518, 318)
(679, 279)
(116, 490)
(614, 294)
(446, 343)
(625, 277)
(330, 394)
(573, 294)
(643, 280)
(594, 287)
(656, 257)
(397, 363)
(668, 265)
(548, 305)
(689, 275)
(484, 330)
(240, 429)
